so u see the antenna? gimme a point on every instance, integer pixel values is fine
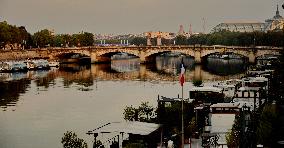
(190, 29)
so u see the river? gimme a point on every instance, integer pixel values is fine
(38, 107)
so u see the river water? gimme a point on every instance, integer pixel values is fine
(38, 107)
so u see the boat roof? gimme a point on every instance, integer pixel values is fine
(227, 105)
(129, 127)
(254, 79)
(206, 88)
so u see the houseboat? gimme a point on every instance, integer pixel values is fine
(206, 94)
(17, 66)
(5, 67)
(41, 64)
(53, 64)
(251, 92)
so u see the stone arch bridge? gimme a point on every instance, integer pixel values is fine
(145, 53)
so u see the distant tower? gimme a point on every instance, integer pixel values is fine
(159, 39)
(277, 12)
(190, 30)
(149, 39)
(181, 30)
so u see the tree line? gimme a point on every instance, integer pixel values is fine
(270, 38)
(11, 34)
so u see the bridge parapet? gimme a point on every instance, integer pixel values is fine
(143, 52)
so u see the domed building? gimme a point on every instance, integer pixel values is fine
(276, 23)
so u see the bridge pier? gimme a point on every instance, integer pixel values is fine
(251, 57)
(197, 57)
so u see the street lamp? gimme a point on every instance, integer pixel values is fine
(95, 138)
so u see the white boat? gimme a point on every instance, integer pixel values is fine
(5, 66)
(41, 64)
(224, 56)
(53, 64)
(30, 65)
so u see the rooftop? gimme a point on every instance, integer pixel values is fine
(227, 105)
(139, 128)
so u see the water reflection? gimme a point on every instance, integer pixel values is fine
(79, 98)
(83, 77)
(125, 65)
(10, 92)
(225, 67)
(171, 65)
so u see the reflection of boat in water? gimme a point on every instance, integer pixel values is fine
(125, 65)
(225, 57)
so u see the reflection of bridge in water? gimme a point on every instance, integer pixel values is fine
(104, 72)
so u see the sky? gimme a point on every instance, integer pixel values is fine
(132, 16)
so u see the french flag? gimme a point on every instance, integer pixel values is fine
(182, 71)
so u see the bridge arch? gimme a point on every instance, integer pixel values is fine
(152, 54)
(105, 56)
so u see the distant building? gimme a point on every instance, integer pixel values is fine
(239, 27)
(165, 35)
(275, 23)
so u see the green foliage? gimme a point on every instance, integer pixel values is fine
(266, 124)
(70, 140)
(228, 38)
(135, 145)
(139, 41)
(192, 127)
(43, 38)
(130, 113)
(143, 113)
(197, 83)
(181, 40)
(10, 34)
(233, 136)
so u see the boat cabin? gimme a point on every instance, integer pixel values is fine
(206, 94)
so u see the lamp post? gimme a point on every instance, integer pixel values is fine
(95, 137)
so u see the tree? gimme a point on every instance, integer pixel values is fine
(130, 113)
(43, 38)
(138, 41)
(10, 34)
(87, 39)
(266, 125)
(197, 83)
(233, 136)
(181, 40)
(145, 110)
(70, 140)
(144, 113)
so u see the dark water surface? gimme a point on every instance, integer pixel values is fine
(37, 107)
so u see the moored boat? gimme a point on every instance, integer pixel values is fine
(53, 64)
(5, 67)
(30, 65)
(41, 64)
(18, 66)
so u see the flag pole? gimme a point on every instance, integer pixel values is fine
(182, 80)
(182, 126)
